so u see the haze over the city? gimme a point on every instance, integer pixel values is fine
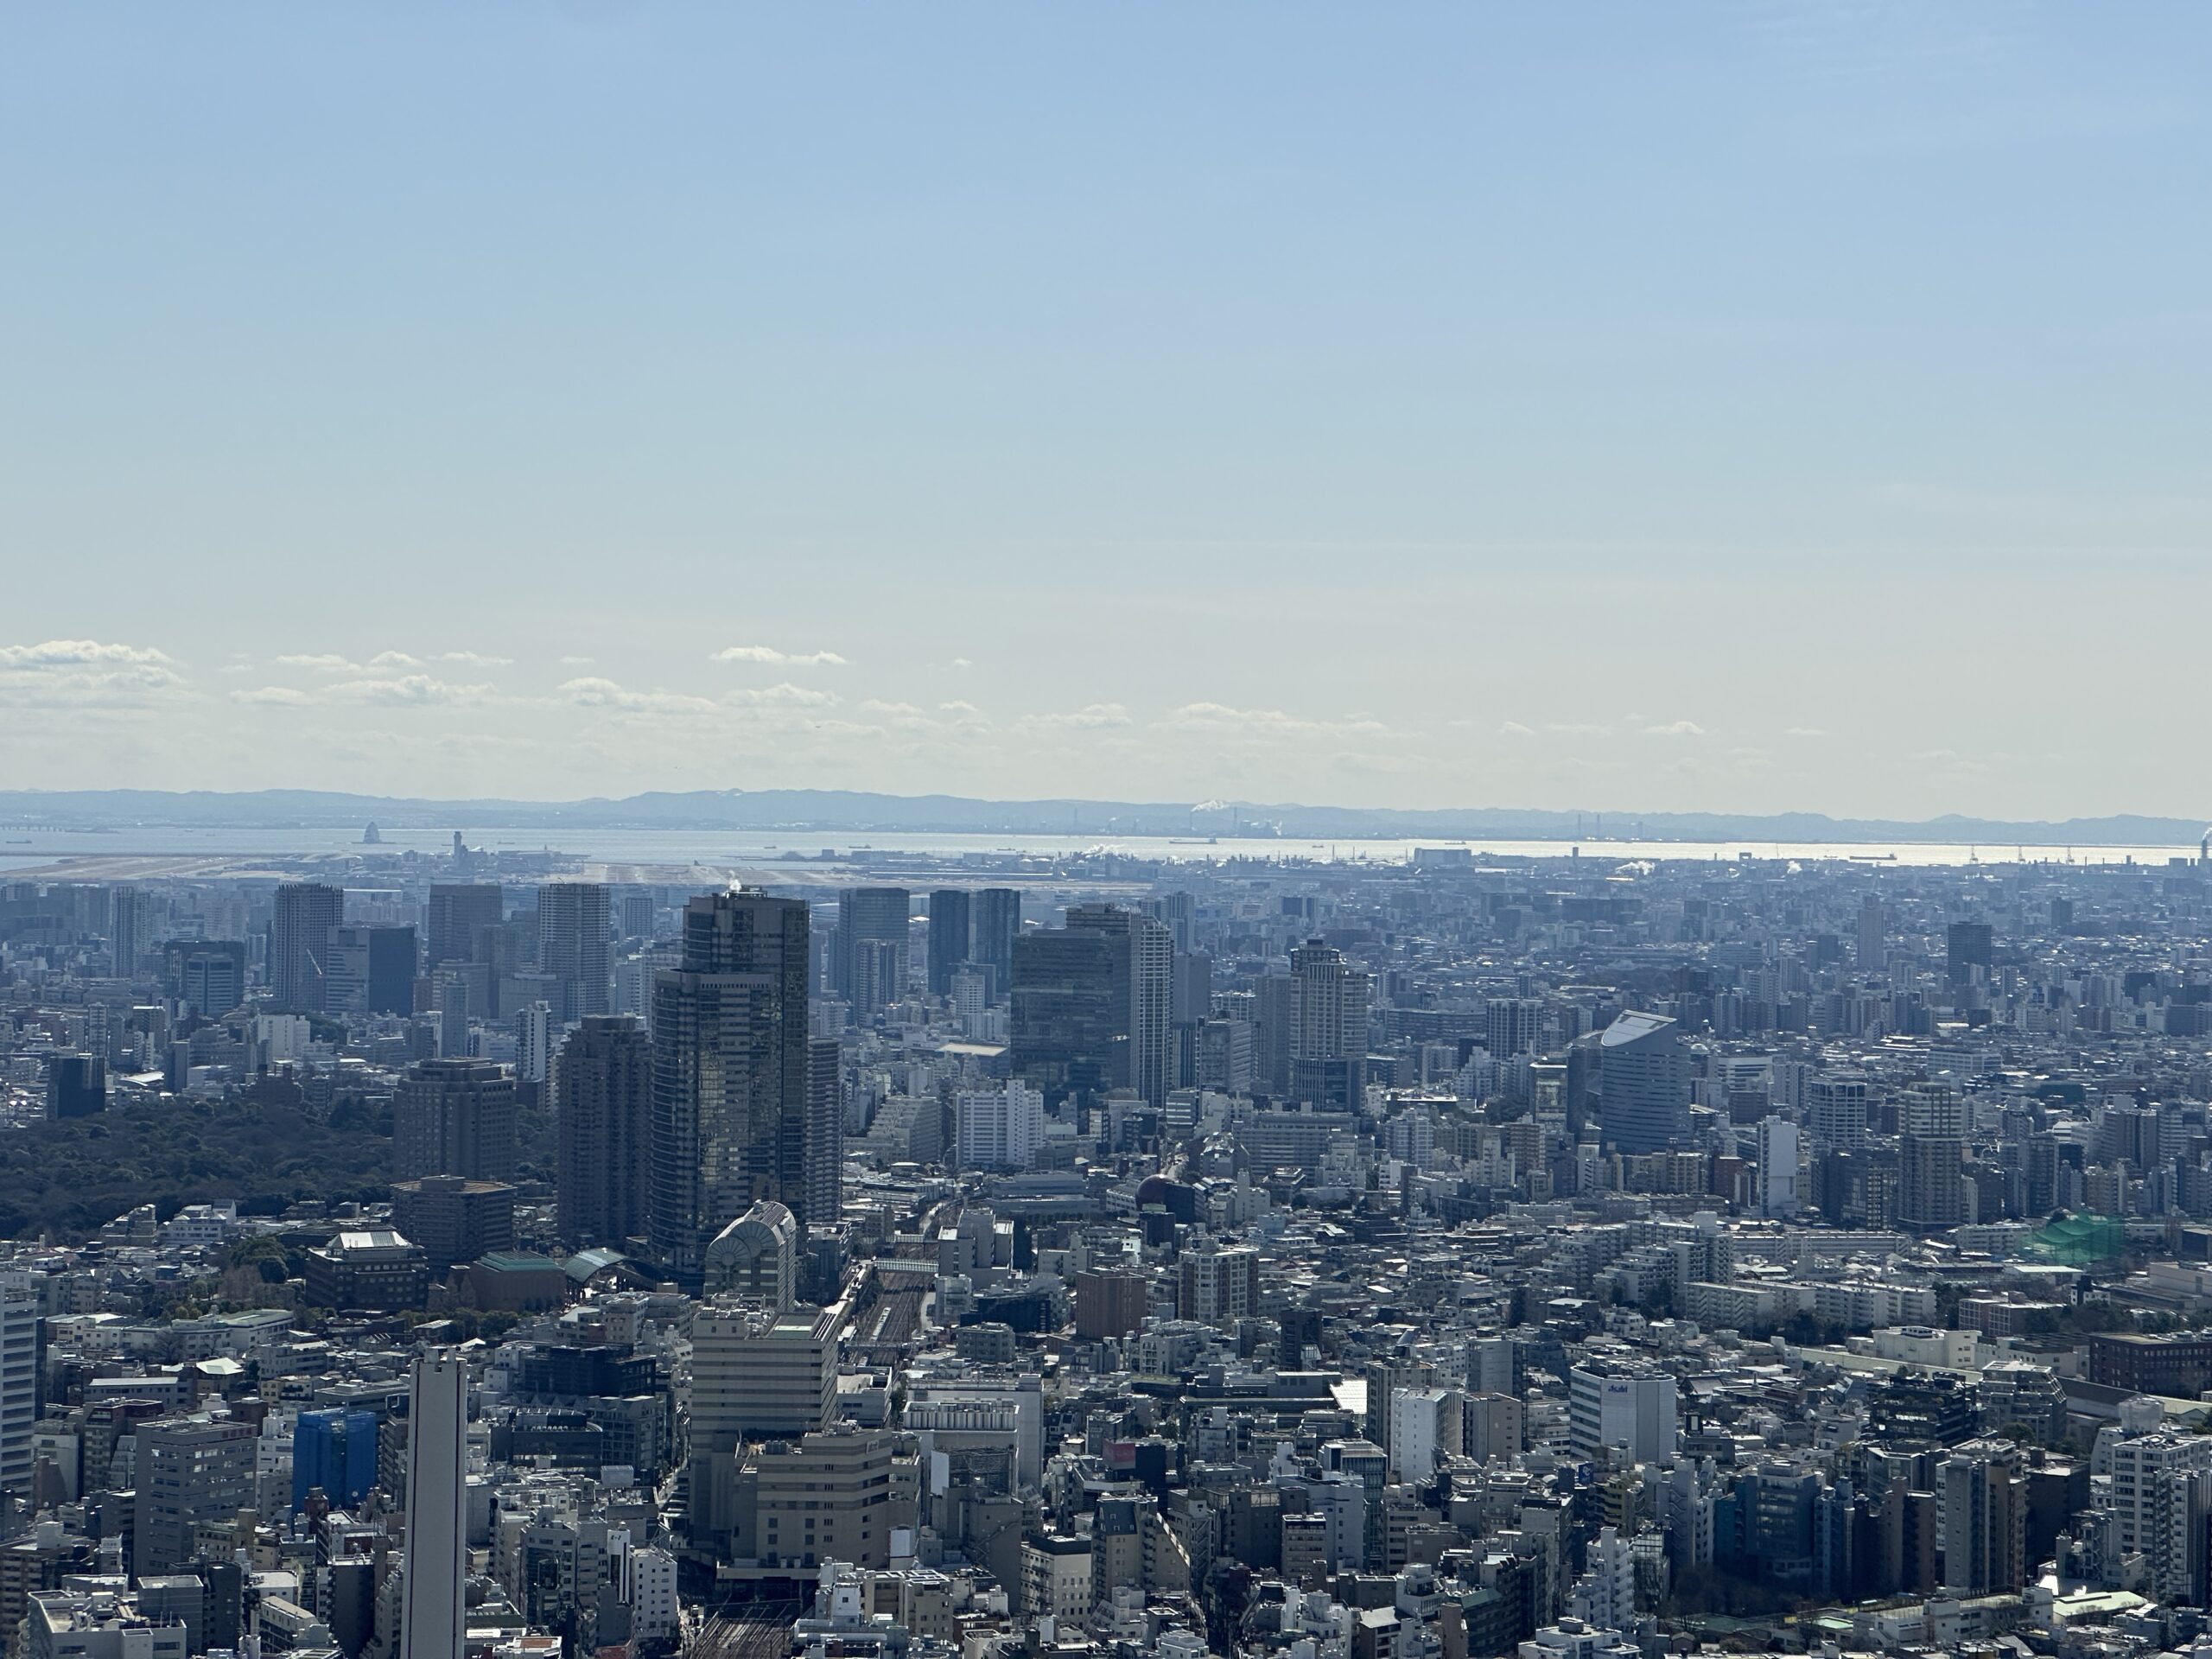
(1105, 831)
(1700, 408)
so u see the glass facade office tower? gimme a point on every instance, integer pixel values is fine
(731, 1073)
(1643, 1091)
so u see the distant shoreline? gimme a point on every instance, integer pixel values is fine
(32, 817)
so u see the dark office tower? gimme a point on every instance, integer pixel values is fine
(1271, 1022)
(1092, 1005)
(1189, 1006)
(2040, 1187)
(730, 1073)
(1644, 1093)
(1873, 929)
(298, 936)
(1174, 911)
(394, 960)
(1192, 994)
(997, 913)
(1151, 957)
(454, 1117)
(1968, 947)
(602, 1080)
(2062, 916)
(454, 996)
(205, 976)
(129, 928)
(1328, 1029)
(76, 1086)
(1069, 1026)
(825, 1134)
(636, 914)
(369, 970)
(868, 960)
(950, 936)
(456, 911)
(576, 946)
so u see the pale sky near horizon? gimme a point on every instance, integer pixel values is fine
(1710, 407)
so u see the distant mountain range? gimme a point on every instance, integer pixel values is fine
(849, 812)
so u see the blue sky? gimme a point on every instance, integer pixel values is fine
(1731, 407)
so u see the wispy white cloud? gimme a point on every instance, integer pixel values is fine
(786, 694)
(377, 684)
(1096, 716)
(411, 691)
(333, 663)
(82, 653)
(595, 692)
(1275, 722)
(1675, 728)
(1514, 728)
(779, 659)
(61, 673)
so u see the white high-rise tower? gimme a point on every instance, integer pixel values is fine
(437, 1453)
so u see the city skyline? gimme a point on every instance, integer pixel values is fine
(1798, 1235)
(1729, 411)
(1277, 831)
(1104, 832)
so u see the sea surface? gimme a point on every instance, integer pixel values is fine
(21, 846)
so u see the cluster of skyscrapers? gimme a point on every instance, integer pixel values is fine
(1506, 1257)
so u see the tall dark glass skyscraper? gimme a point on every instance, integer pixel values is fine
(1092, 1005)
(997, 914)
(1070, 1024)
(869, 954)
(456, 910)
(207, 975)
(731, 1073)
(299, 938)
(576, 946)
(951, 935)
(1967, 946)
(603, 1093)
(369, 969)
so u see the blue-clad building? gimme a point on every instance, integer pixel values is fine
(337, 1450)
